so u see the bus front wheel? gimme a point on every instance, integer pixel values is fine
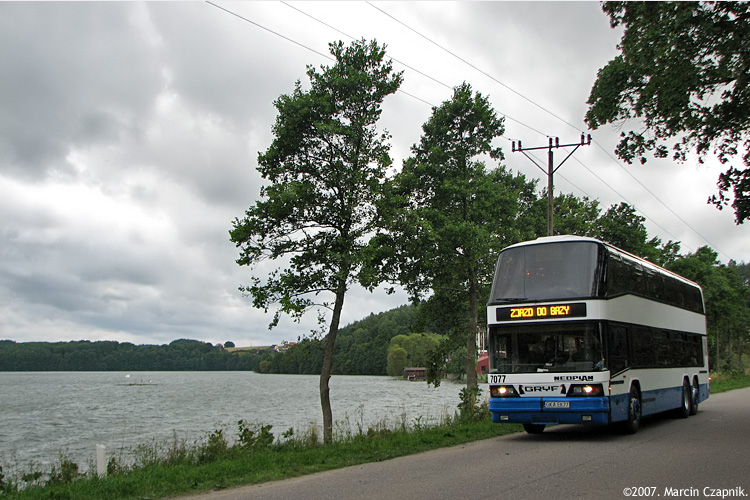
(534, 428)
(633, 423)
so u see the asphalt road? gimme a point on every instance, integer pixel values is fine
(704, 456)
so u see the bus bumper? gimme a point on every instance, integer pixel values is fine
(548, 411)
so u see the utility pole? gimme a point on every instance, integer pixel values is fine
(551, 169)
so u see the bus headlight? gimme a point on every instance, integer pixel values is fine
(586, 390)
(503, 391)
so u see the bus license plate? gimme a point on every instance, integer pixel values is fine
(557, 404)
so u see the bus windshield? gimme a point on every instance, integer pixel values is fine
(546, 272)
(546, 348)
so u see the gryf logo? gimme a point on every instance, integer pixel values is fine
(538, 388)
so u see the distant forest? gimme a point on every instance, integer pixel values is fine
(361, 349)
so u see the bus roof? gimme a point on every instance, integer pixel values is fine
(572, 238)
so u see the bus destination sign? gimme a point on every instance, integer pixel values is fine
(575, 310)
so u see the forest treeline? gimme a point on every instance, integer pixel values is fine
(361, 350)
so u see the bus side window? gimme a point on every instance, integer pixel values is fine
(617, 348)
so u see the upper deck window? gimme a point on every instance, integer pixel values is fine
(548, 271)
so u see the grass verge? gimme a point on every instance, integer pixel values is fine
(721, 382)
(171, 469)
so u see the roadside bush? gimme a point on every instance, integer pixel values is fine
(471, 409)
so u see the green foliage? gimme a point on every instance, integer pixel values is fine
(254, 437)
(398, 359)
(413, 350)
(472, 408)
(622, 227)
(324, 166)
(216, 447)
(683, 73)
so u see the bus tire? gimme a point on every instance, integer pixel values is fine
(534, 428)
(695, 397)
(633, 423)
(686, 403)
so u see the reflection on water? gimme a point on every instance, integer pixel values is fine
(44, 414)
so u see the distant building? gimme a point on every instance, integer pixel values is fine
(483, 364)
(415, 373)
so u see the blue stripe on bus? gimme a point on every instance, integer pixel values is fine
(531, 410)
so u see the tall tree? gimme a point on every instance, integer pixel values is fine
(455, 212)
(684, 73)
(578, 216)
(623, 227)
(325, 169)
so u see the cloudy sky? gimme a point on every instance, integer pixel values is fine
(129, 136)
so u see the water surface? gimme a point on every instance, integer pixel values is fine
(43, 414)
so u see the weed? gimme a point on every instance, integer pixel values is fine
(254, 437)
(3, 483)
(214, 448)
(114, 468)
(418, 425)
(67, 472)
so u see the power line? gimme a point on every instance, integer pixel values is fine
(659, 200)
(472, 66)
(553, 115)
(409, 67)
(327, 56)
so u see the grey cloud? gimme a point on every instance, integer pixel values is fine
(72, 72)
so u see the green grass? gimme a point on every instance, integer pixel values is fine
(721, 382)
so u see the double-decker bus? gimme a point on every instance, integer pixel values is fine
(581, 332)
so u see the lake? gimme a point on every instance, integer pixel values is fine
(43, 414)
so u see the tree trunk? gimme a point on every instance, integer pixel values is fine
(471, 340)
(718, 355)
(739, 348)
(325, 373)
(730, 357)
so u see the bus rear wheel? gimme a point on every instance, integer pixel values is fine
(686, 408)
(534, 428)
(695, 397)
